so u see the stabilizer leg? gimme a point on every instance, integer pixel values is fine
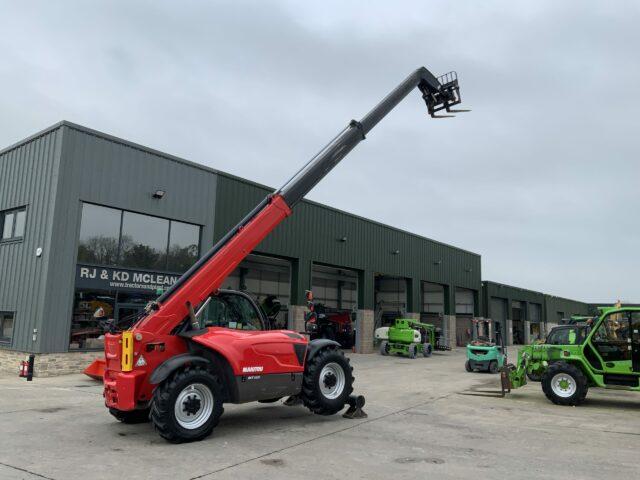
(356, 402)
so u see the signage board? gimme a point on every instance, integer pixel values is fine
(108, 278)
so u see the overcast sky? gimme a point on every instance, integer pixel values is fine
(541, 178)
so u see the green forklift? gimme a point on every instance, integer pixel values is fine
(483, 355)
(409, 337)
(604, 355)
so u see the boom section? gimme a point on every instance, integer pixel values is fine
(206, 276)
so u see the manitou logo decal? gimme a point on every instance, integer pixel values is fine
(252, 369)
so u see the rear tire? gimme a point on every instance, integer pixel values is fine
(493, 366)
(187, 406)
(467, 366)
(412, 351)
(564, 384)
(327, 382)
(131, 417)
(384, 347)
(427, 349)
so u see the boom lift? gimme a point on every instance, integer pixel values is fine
(197, 346)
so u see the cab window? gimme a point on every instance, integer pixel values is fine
(612, 339)
(231, 311)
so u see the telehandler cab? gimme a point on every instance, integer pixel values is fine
(197, 347)
(606, 356)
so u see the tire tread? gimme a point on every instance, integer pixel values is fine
(310, 398)
(581, 384)
(162, 408)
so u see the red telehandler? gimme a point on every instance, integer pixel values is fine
(197, 346)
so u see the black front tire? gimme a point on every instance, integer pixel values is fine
(131, 417)
(312, 394)
(166, 395)
(572, 374)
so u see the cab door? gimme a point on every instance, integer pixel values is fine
(613, 340)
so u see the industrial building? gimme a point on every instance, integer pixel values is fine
(92, 221)
(524, 315)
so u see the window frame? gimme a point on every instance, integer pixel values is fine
(3, 315)
(15, 211)
(118, 263)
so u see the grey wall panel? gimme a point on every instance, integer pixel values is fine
(27, 177)
(104, 170)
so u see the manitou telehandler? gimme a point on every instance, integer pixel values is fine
(197, 347)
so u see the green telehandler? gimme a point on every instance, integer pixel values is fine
(604, 355)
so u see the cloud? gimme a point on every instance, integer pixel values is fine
(540, 178)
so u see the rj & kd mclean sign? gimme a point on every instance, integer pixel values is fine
(105, 278)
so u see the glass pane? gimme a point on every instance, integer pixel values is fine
(215, 314)
(99, 232)
(241, 313)
(183, 246)
(21, 217)
(90, 310)
(144, 241)
(7, 327)
(8, 225)
(612, 338)
(138, 298)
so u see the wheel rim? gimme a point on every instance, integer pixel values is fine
(193, 406)
(332, 380)
(563, 385)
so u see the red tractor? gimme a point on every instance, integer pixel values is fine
(197, 347)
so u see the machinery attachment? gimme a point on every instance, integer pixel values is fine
(356, 402)
(96, 369)
(443, 98)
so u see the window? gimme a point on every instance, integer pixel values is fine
(183, 246)
(90, 308)
(612, 339)
(144, 241)
(113, 237)
(573, 335)
(99, 235)
(6, 327)
(231, 310)
(12, 223)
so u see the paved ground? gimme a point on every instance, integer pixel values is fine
(422, 421)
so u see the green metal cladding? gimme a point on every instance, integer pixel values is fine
(314, 233)
(551, 306)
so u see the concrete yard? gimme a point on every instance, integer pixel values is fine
(420, 422)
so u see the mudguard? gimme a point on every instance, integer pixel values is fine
(167, 367)
(316, 345)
